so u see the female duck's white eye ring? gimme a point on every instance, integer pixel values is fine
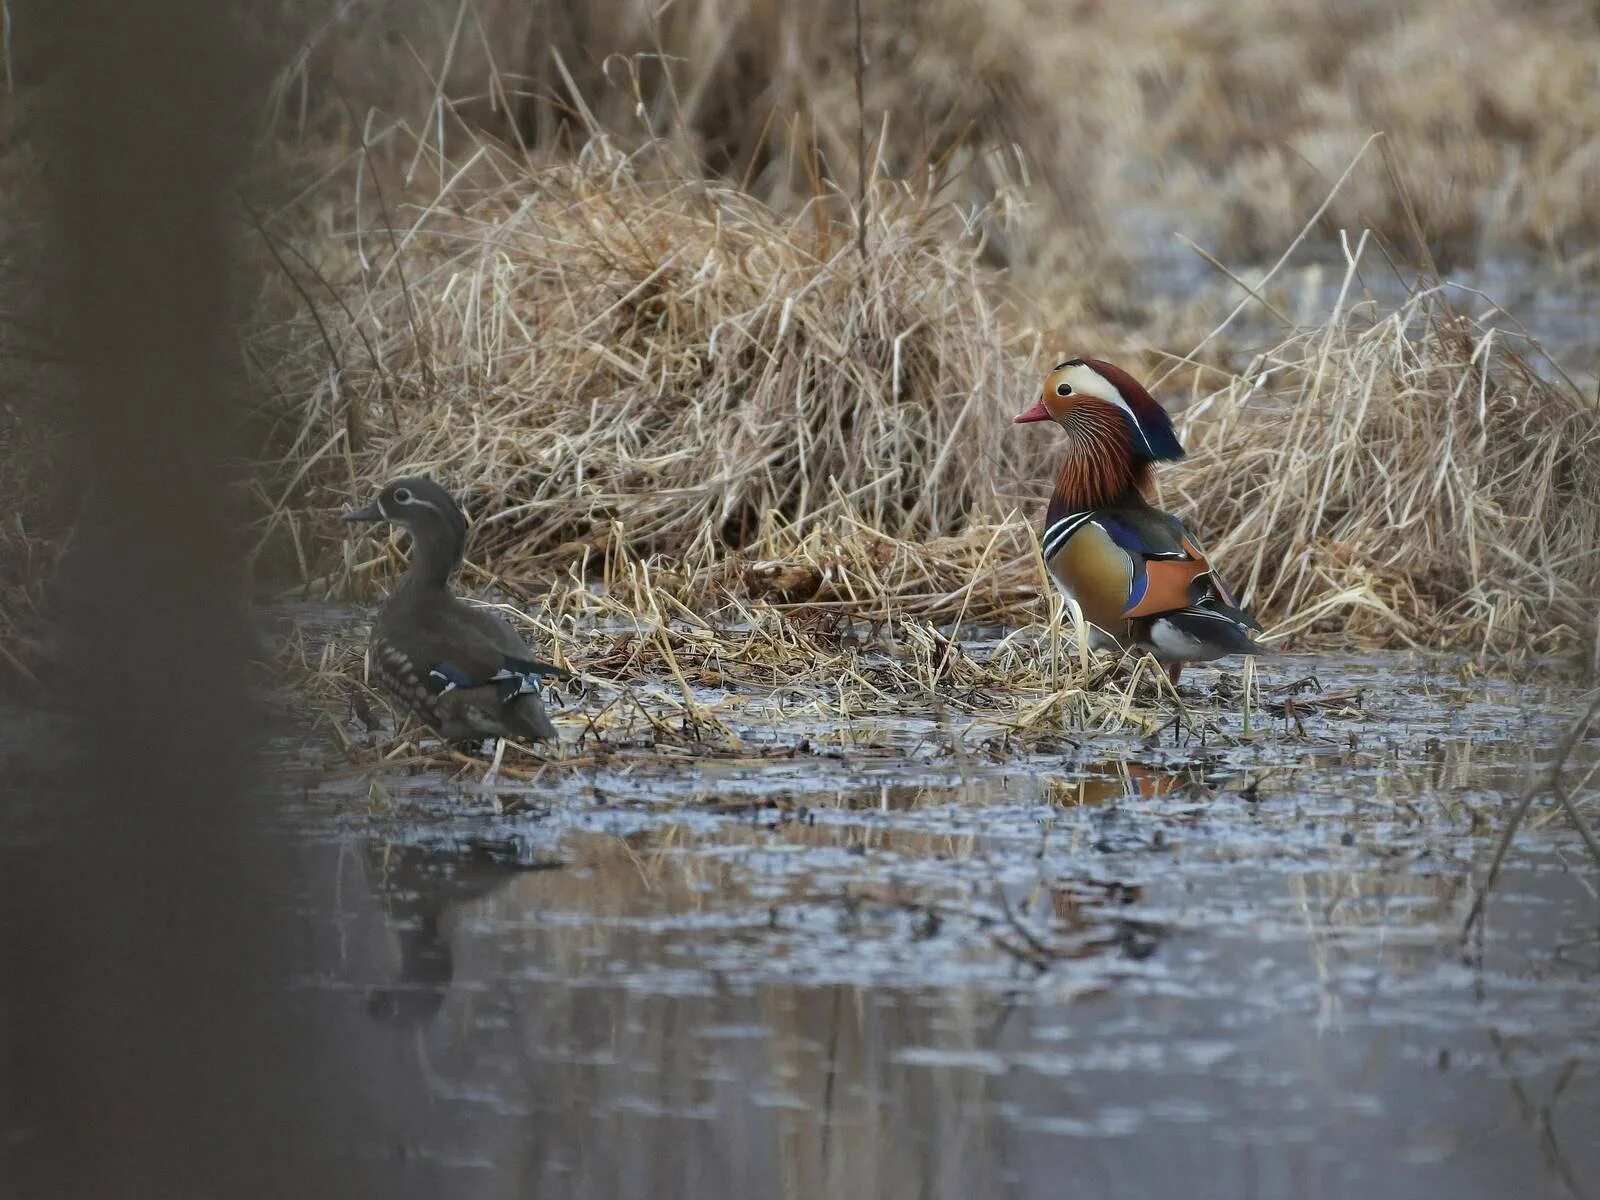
(402, 496)
(1063, 389)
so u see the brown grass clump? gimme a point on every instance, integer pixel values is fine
(1402, 476)
(606, 362)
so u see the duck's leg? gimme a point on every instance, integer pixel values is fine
(492, 775)
(1173, 671)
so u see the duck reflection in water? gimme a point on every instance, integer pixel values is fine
(1094, 911)
(417, 887)
(1116, 779)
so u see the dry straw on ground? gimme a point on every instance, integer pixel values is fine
(653, 677)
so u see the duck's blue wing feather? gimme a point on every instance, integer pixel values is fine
(520, 676)
(513, 677)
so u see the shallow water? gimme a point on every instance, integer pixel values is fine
(910, 957)
(1086, 965)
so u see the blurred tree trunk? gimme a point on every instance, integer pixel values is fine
(142, 1014)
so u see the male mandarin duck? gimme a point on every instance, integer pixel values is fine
(1137, 573)
(462, 670)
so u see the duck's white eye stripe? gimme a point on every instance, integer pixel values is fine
(1133, 417)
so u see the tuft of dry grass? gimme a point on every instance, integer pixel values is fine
(1402, 477)
(608, 363)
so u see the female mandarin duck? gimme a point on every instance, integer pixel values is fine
(1139, 576)
(462, 670)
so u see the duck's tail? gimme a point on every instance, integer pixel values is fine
(1210, 629)
(519, 682)
(527, 718)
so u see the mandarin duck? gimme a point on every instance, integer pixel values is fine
(1138, 575)
(462, 670)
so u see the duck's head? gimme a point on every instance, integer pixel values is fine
(435, 521)
(1086, 396)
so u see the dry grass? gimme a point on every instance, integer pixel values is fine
(1104, 124)
(605, 362)
(619, 305)
(657, 678)
(1403, 476)
(626, 373)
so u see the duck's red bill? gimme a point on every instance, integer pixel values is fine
(1037, 413)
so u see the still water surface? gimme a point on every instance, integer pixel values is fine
(1156, 972)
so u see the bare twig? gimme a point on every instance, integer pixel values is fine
(861, 138)
(1547, 780)
(423, 357)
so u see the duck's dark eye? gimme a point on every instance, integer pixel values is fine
(402, 496)
(1063, 389)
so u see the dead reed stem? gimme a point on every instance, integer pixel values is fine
(1547, 780)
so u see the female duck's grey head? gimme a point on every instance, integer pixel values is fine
(436, 523)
